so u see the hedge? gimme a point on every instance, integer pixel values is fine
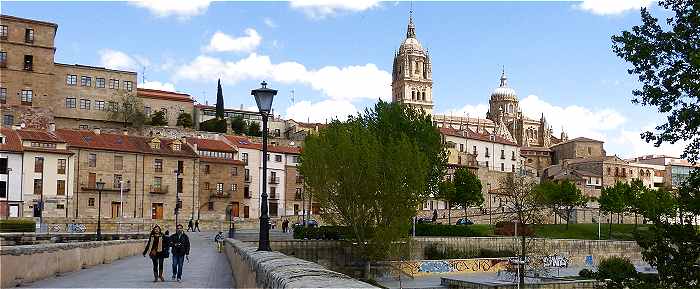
(17, 226)
(323, 233)
(442, 252)
(439, 230)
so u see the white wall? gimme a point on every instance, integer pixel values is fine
(50, 176)
(494, 158)
(13, 180)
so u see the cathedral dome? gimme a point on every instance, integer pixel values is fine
(503, 92)
(411, 44)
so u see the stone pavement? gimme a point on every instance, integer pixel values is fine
(207, 269)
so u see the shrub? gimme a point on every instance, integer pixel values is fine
(441, 252)
(586, 273)
(17, 225)
(158, 119)
(446, 230)
(213, 125)
(323, 233)
(618, 269)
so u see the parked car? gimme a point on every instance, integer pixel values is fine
(424, 220)
(464, 221)
(309, 223)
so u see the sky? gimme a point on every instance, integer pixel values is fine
(330, 59)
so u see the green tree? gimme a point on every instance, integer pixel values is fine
(238, 125)
(446, 192)
(219, 101)
(213, 125)
(612, 201)
(184, 120)
(158, 118)
(615, 272)
(467, 190)
(562, 195)
(368, 181)
(254, 129)
(127, 109)
(636, 189)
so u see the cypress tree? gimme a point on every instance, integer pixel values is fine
(219, 101)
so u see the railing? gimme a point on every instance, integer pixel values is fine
(247, 179)
(274, 180)
(220, 194)
(158, 189)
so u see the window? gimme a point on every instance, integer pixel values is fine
(91, 202)
(29, 35)
(512, 156)
(502, 167)
(295, 159)
(100, 82)
(157, 182)
(158, 165)
(244, 157)
(177, 147)
(3, 59)
(112, 106)
(210, 206)
(26, 96)
(589, 150)
(234, 171)
(113, 84)
(61, 187)
(297, 194)
(99, 105)
(278, 158)
(85, 81)
(3, 31)
(487, 152)
(8, 119)
(71, 79)
(71, 102)
(503, 154)
(85, 104)
(273, 193)
(117, 181)
(83, 127)
(38, 164)
(206, 169)
(92, 160)
(234, 187)
(474, 150)
(147, 110)
(246, 192)
(128, 85)
(28, 62)
(220, 188)
(247, 175)
(206, 185)
(487, 164)
(38, 187)
(3, 95)
(3, 189)
(118, 163)
(461, 147)
(61, 167)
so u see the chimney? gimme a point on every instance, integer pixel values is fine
(125, 132)
(194, 145)
(52, 127)
(96, 130)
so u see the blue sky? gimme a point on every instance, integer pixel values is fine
(337, 55)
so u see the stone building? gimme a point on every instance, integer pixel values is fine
(171, 103)
(412, 76)
(11, 164)
(579, 147)
(26, 71)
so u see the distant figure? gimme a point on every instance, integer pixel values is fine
(196, 226)
(285, 226)
(434, 216)
(219, 239)
(189, 226)
(156, 250)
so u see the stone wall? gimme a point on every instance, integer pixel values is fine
(23, 264)
(258, 269)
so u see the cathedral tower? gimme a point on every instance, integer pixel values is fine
(412, 77)
(503, 102)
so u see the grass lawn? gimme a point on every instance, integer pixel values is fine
(587, 231)
(482, 229)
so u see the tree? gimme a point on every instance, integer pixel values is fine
(213, 125)
(127, 109)
(612, 201)
(158, 118)
(219, 101)
(467, 190)
(523, 205)
(184, 120)
(369, 181)
(446, 192)
(238, 125)
(615, 271)
(254, 129)
(560, 195)
(665, 58)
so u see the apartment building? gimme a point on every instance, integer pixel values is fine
(577, 148)
(26, 70)
(172, 104)
(675, 170)
(491, 151)
(10, 174)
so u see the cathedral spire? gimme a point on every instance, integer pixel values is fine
(411, 31)
(504, 79)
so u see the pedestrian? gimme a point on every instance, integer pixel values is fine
(180, 244)
(219, 239)
(196, 226)
(156, 250)
(189, 226)
(434, 216)
(285, 226)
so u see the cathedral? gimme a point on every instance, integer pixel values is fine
(412, 84)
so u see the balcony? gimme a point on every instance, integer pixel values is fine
(158, 189)
(220, 194)
(297, 196)
(247, 179)
(300, 180)
(273, 196)
(274, 180)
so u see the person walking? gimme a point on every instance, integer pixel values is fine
(180, 244)
(156, 250)
(285, 226)
(196, 226)
(189, 226)
(219, 239)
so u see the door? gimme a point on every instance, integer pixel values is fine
(246, 212)
(115, 210)
(273, 209)
(157, 211)
(91, 180)
(235, 209)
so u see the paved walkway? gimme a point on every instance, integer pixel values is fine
(207, 269)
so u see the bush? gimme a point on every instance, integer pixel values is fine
(446, 230)
(213, 125)
(323, 233)
(441, 252)
(586, 273)
(504, 228)
(17, 226)
(618, 269)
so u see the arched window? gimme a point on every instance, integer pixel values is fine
(413, 95)
(423, 95)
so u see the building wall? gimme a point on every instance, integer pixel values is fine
(173, 108)
(493, 159)
(577, 149)
(169, 184)
(52, 201)
(220, 173)
(278, 168)
(293, 204)
(253, 166)
(13, 185)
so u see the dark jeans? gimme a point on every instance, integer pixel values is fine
(178, 261)
(157, 265)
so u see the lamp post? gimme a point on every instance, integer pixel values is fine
(489, 194)
(229, 210)
(177, 195)
(263, 98)
(99, 186)
(7, 191)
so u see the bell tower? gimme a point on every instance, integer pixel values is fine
(412, 77)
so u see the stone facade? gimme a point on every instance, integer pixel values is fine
(576, 149)
(412, 77)
(221, 185)
(294, 192)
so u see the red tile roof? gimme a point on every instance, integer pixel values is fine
(117, 142)
(39, 135)
(244, 142)
(211, 145)
(45, 150)
(469, 134)
(161, 94)
(12, 141)
(284, 149)
(222, 161)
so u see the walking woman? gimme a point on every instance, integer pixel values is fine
(157, 249)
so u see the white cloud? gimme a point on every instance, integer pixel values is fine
(321, 111)
(322, 8)
(349, 82)
(221, 42)
(115, 59)
(634, 145)
(612, 7)
(167, 86)
(180, 8)
(269, 22)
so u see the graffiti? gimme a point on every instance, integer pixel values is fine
(589, 261)
(76, 228)
(427, 267)
(555, 261)
(435, 267)
(55, 228)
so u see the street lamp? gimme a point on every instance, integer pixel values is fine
(263, 98)
(99, 186)
(489, 194)
(7, 190)
(229, 212)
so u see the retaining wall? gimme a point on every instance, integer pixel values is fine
(22, 264)
(259, 269)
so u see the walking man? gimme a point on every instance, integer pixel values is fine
(181, 250)
(189, 226)
(196, 226)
